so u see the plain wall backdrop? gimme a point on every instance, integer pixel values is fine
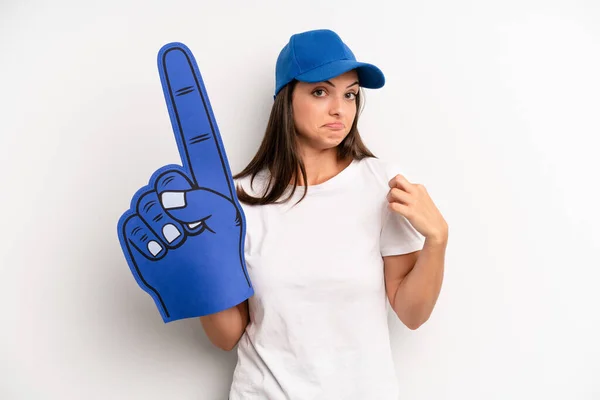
(492, 105)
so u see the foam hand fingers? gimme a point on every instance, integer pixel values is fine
(200, 209)
(143, 239)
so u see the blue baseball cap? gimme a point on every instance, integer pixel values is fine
(319, 55)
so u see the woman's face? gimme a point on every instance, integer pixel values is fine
(324, 112)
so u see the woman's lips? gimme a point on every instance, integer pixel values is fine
(335, 125)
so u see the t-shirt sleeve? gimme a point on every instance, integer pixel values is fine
(398, 236)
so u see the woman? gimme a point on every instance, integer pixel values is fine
(333, 235)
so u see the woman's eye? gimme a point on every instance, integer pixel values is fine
(351, 95)
(318, 92)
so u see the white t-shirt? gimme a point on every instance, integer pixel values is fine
(318, 319)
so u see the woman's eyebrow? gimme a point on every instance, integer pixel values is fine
(352, 84)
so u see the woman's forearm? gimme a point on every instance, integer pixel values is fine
(418, 292)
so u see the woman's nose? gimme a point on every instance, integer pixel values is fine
(335, 107)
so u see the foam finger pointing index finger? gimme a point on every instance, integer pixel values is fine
(194, 125)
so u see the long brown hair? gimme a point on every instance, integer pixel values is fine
(278, 151)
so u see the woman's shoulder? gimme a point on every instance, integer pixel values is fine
(382, 168)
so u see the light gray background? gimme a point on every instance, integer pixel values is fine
(492, 105)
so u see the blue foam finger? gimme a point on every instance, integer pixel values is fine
(173, 180)
(170, 231)
(198, 267)
(141, 238)
(200, 205)
(192, 118)
(171, 183)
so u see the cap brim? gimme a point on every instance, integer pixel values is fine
(369, 76)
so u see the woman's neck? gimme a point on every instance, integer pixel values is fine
(322, 166)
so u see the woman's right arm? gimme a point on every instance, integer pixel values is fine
(225, 328)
